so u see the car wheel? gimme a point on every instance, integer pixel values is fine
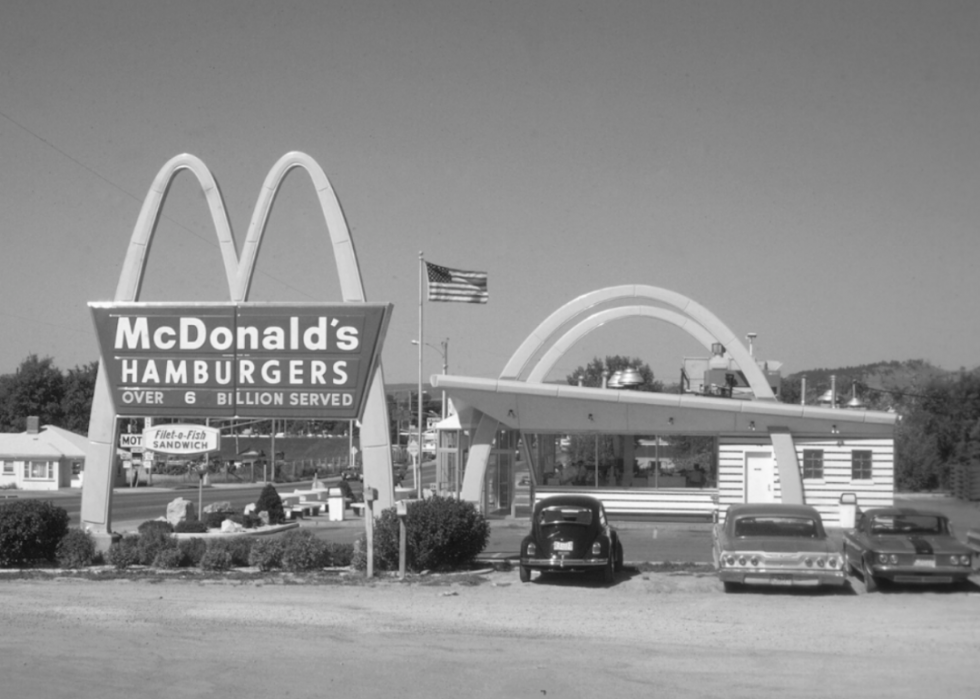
(870, 582)
(525, 574)
(609, 572)
(619, 556)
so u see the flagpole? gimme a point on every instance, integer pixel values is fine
(418, 462)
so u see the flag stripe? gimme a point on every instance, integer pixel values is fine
(447, 284)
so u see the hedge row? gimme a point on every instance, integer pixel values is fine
(442, 534)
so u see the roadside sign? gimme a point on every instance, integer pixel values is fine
(413, 449)
(133, 442)
(183, 439)
(240, 359)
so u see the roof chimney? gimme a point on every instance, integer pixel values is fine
(33, 424)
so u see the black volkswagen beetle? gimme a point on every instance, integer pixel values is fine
(571, 533)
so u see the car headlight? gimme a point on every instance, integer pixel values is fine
(963, 560)
(741, 560)
(730, 560)
(808, 561)
(835, 561)
(821, 563)
(531, 549)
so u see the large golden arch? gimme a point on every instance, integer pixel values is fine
(103, 430)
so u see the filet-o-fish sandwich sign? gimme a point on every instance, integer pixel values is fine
(240, 359)
(182, 439)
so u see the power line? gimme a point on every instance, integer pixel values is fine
(132, 196)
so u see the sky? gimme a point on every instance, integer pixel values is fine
(806, 171)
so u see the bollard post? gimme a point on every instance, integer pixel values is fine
(369, 496)
(402, 510)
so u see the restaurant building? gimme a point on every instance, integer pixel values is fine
(516, 433)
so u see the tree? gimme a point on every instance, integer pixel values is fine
(35, 389)
(76, 401)
(592, 373)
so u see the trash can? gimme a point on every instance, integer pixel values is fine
(848, 510)
(335, 504)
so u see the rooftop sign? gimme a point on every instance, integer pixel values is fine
(240, 359)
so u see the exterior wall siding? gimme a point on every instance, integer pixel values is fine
(686, 502)
(823, 493)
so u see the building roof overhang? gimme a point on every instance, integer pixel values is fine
(561, 408)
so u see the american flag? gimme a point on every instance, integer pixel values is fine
(447, 284)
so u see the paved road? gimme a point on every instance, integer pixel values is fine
(647, 635)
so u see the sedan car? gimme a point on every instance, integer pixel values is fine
(571, 533)
(775, 544)
(905, 545)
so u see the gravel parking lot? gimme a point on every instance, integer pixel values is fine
(651, 634)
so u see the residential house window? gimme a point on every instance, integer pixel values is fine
(813, 463)
(8, 468)
(861, 464)
(39, 470)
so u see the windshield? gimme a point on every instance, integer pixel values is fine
(777, 525)
(566, 515)
(907, 524)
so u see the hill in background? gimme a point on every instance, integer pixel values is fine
(881, 384)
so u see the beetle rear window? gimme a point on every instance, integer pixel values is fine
(802, 527)
(566, 515)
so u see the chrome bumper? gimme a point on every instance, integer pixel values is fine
(795, 578)
(924, 576)
(560, 562)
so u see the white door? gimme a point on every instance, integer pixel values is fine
(758, 477)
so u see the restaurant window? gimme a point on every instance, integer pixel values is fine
(861, 461)
(813, 463)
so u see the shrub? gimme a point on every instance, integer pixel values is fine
(76, 549)
(340, 555)
(250, 521)
(191, 527)
(302, 551)
(30, 531)
(125, 552)
(441, 534)
(152, 541)
(238, 547)
(169, 558)
(266, 554)
(358, 559)
(155, 524)
(216, 559)
(269, 501)
(213, 520)
(192, 551)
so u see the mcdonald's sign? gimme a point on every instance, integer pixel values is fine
(240, 359)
